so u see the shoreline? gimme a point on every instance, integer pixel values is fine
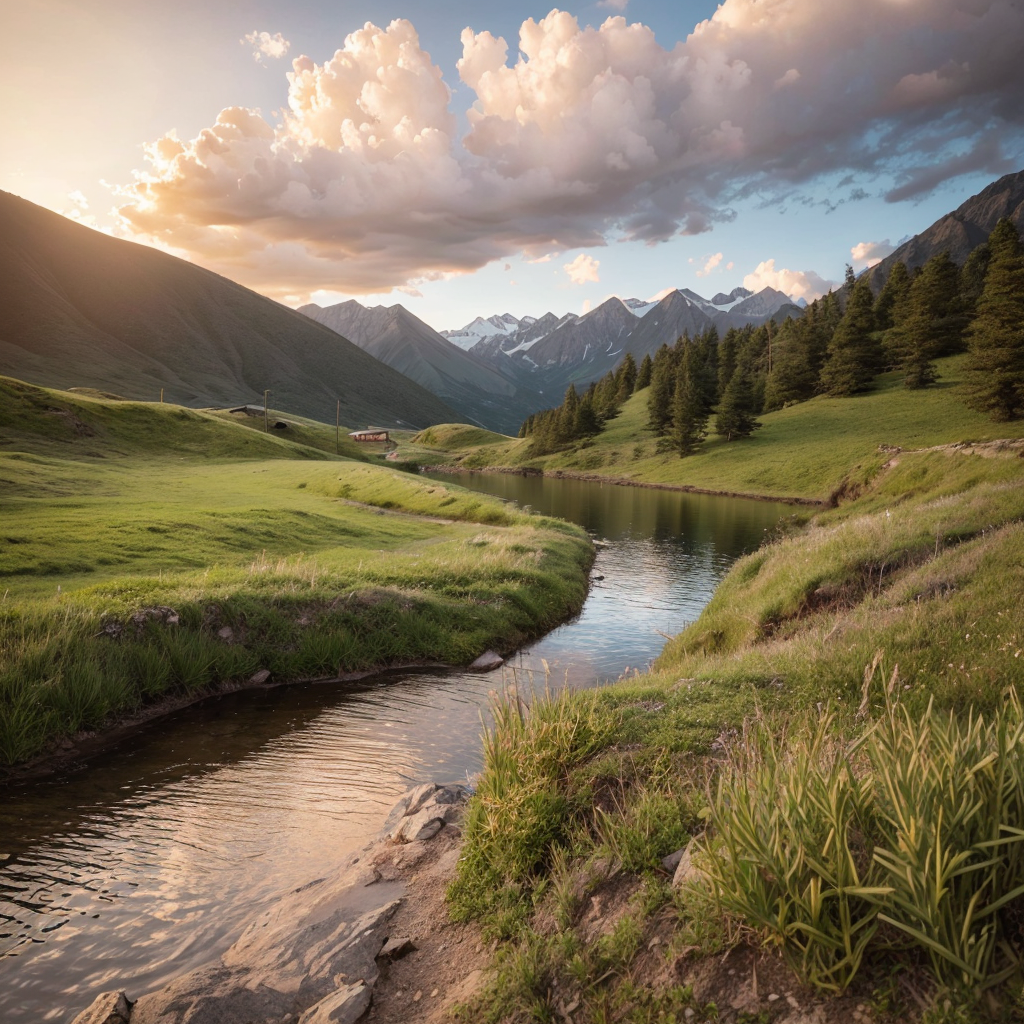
(621, 481)
(89, 743)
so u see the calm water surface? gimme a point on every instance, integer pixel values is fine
(146, 860)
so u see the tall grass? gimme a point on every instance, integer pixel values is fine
(519, 815)
(907, 837)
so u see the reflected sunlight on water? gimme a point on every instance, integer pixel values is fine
(145, 862)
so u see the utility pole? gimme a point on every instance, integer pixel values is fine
(161, 396)
(266, 415)
(337, 430)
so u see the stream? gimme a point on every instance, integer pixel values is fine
(145, 860)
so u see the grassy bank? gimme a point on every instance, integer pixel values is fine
(816, 731)
(150, 550)
(807, 451)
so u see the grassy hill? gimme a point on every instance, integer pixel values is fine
(151, 552)
(807, 451)
(836, 742)
(83, 309)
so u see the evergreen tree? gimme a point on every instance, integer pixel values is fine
(795, 368)
(689, 413)
(643, 375)
(704, 366)
(932, 322)
(994, 374)
(735, 417)
(892, 296)
(625, 378)
(972, 278)
(727, 349)
(659, 395)
(588, 422)
(854, 354)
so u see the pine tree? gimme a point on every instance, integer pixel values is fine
(588, 422)
(689, 413)
(735, 417)
(994, 374)
(892, 296)
(643, 375)
(972, 278)
(727, 349)
(625, 378)
(659, 395)
(854, 354)
(931, 324)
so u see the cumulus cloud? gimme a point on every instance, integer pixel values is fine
(797, 284)
(266, 45)
(867, 254)
(583, 269)
(710, 264)
(578, 135)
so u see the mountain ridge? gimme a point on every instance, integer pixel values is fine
(84, 309)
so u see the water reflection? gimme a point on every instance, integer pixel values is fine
(146, 861)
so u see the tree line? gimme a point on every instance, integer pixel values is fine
(837, 348)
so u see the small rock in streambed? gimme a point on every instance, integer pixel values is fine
(259, 678)
(487, 662)
(395, 949)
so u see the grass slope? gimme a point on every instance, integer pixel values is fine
(806, 451)
(150, 550)
(84, 309)
(857, 627)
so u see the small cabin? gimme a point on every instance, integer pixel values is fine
(370, 434)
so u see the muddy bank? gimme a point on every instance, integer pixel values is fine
(90, 742)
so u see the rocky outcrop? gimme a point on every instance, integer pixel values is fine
(312, 957)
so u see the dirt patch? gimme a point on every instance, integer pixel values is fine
(443, 963)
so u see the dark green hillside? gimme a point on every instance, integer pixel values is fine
(83, 309)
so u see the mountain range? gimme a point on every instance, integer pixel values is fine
(497, 370)
(83, 309)
(478, 391)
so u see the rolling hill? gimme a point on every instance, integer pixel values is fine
(84, 309)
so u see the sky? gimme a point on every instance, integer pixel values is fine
(477, 158)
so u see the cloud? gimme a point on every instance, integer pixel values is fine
(266, 45)
(614, 5)
(710, 265)
(730, 265)
(867, 254)
(583, 269)
(797, 284)
(579, 135)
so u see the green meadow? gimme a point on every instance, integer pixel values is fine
(809, 450)
(149, 550)
(837, 740)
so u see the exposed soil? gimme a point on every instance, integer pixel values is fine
(447, 964)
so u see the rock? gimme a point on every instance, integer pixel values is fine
(395, 949)
(423, 812)
(686, 870)
(345, 1006)
(226, 633)
(487, 662)
(259, 678)
(107, 1008)
(158, 613)
(290, 959)
(671, 862)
